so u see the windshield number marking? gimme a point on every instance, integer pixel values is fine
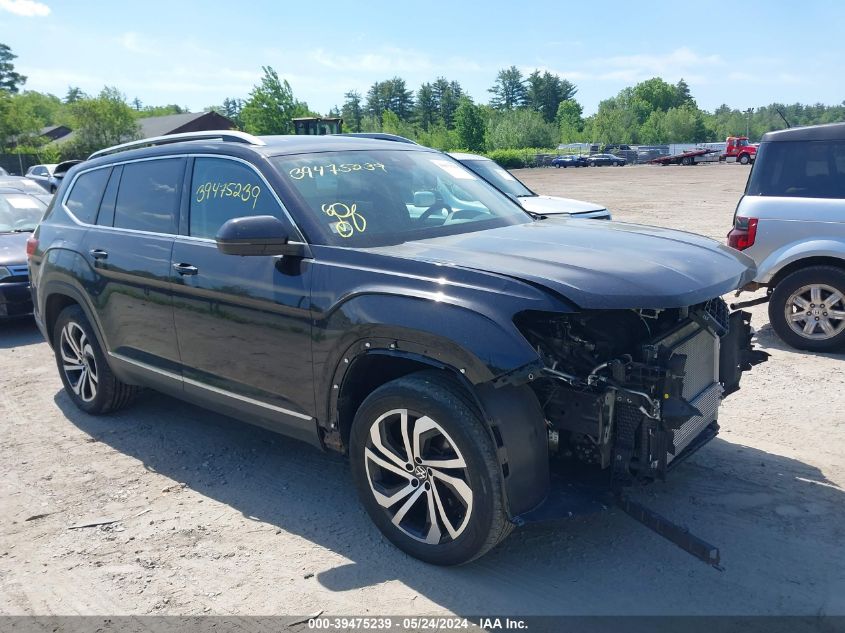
(306, 171)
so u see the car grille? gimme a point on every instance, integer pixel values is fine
(19, 273)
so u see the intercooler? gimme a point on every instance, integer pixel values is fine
(701, 386)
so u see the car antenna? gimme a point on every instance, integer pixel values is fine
(778, 110)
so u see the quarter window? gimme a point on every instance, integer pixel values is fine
(224, 189)
(148, 196)
(84, 198)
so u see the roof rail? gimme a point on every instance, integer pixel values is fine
(232, 136)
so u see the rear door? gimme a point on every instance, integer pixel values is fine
(243, 323)
(129, 251)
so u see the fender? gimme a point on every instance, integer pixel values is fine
(795, 251)
(451, 336)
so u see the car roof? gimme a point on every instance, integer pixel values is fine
(278, 145)
(827, 132)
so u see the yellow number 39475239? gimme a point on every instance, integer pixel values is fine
(349, 220)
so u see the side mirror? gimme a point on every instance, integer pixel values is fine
(424, 198)
(257, 235)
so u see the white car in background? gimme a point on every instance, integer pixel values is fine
(510, 185)
(41, 174)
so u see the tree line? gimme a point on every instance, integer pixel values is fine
(537, 110)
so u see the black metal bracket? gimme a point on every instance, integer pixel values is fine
(751, 302)
(680, 536)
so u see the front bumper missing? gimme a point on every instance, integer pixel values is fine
(571, 496)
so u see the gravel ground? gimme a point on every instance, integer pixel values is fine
(210, 516)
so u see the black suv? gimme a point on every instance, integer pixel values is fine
(380, 299)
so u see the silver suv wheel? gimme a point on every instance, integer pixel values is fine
(418, 475)
(78, 362)
(816, 312)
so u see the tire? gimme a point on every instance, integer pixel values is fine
(83, 368)
(686, 160)
(433, 409)
(592, 164)
(744, 159)
(817, 293)
(616, 163)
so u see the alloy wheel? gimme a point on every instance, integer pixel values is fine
(816, 311)
(419, 476)
(78, 362)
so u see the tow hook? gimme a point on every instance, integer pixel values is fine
(673, 532)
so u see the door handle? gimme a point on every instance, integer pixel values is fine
(185, 269)
(98, 253)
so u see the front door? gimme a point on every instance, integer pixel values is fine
(243, 323)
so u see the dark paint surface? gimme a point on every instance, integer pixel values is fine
(597, 266)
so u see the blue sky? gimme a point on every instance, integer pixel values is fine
(744, 52)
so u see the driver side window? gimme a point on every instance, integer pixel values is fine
(223, 189)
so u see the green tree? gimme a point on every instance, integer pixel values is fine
(509, 90)
(271, 106)
(351, 111)
(392, 95)
(569, 121)
(74, 94)
(162, 110)
(10, 81)
(544, 93)
(426, 109)
(684, 125)
(447, 95)
(470, 125)
(519, 129)
(100, 122)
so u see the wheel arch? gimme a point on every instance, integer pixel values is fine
(806, 262)
(511, 414)
(57, 297)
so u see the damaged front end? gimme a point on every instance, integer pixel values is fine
(628, 393)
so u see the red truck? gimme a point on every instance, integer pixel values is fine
(737, 148)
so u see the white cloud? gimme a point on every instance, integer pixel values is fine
(134, 43)
(26, 8)
(392, 60)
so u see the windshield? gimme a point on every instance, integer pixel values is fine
(498, 177)
(19, 212)
(380, 197)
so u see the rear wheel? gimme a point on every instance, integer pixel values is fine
(426, 470)
(744, 159)
(807, 309)
(83, 368)
(686, 160)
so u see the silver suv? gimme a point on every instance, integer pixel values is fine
(791, 221)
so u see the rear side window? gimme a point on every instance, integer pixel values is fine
(84, 198)
(802, 169)
(149, 194)
(224, 189)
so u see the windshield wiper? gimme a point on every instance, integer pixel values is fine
(23, 230)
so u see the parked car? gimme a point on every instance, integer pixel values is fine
(510, 185)
(570, 160)
(58, 173)
(19, 215)
(600, 160)
(25, 185)
(382, 300)
(41, 174)
(791, 221)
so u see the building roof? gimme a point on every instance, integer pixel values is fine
(172, 123)
(827, 132)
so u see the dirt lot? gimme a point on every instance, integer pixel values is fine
(213, 516)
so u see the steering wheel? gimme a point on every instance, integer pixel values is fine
(437, 206)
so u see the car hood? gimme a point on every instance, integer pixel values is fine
(596, 265)
(552, 205)
(13, 248)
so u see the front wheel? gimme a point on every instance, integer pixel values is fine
(83, 368)
(616, 163)
(426, 470)
(807, 309)
(744, 159)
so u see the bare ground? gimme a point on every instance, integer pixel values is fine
(214, 516)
